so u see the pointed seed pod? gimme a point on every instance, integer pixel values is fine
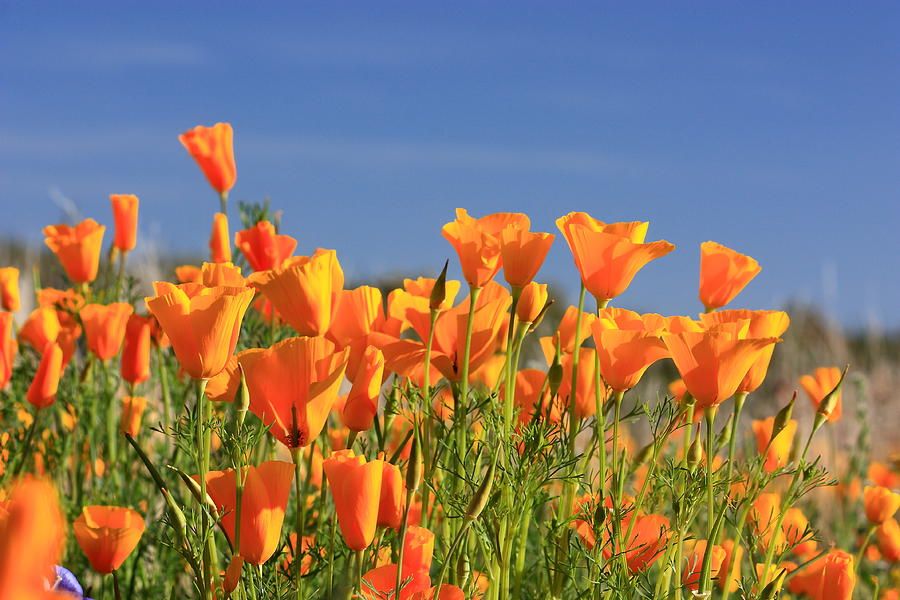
(414, 466)
(828, 403)
(243, 398)
(783, 417)
(537, 320)
(439, 291)
(554, 376)
(695, 454)
(483, 494)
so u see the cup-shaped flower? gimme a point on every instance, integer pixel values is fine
(777, 450)
(888, 537)
(9, 289)
(379, 583)
(136, 350)
(713, 363)
(522, 252)
(820, 384)
(690, 578)
(125, 215)
(42, 391)
(362, 401)
(838, 576)
(304, 290)
(762, 324)
(356, 489)
(263, 504)
(293, 386)
(477, 243)
(212, 148)
(132, 411)
(202, 323)
(608, 256)
(723, 274)
(77, 248)
(104, 327)
(107, 535)
(627, 344)
(219, 240)
(263, 248)
(880, 503)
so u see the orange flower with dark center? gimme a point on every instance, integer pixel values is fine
(212, 148)
(762, 324)
(304, 290)
(356, 490)
(107, 535)
(723, 274)
(77, 248)
(219, 240)
(820, 384)
(692, 570)
(202, 323)
(262, 247)
(263, 504)
(132, 411)
(9, 289)
(778, 450)
(628, 343)
(42, 391)
(104, 327)
(880, 504)
(522, 252)
(8, 349)
(477, 243)
(608, 256)
(125, 214)
(713, 363)
(136, 350)
(293, 386)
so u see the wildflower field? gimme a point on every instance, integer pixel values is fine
(254, 429)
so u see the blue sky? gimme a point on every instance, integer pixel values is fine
(769, 127)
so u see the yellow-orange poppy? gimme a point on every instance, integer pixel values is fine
(723, 274)
(107, 535)
(212, 148)
(77, 248)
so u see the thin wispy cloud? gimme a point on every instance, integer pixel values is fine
(110, 54)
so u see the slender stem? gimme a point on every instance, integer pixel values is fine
(223, 202)
(862, 548)
(710, 506)
(115, 578)
(120, 278)
(402, 538)
(301, 516)
(204, 410)
(164, 384)
(26, 446)
(459, 411)
(450, 551)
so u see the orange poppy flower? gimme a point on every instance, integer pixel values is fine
(418, 549)
(838, 576)
(477, 242)
(888, 536)
(125, 214)
(356, 489)
(201, 322)
(104, 327)
(608, 256)
(795, 527)
(362, 402)
(713, 363)
(132, 411)
(762, 324)
(531, 302)
(32, 534)
(806, 582)
(879, 474)
(421, 288)
(628, 343)
(564, 338)
(723, 274)
(263, 504)
(212, 148)
(880, 504)
(188, 274)
(522, 252)
(765, 510)
(219, 240)
(293, 385)
(77, 248)
(448, 592)
(222, 274)
(107, 535)
(379, 583)
(820, 384)
(307, 544)
(359, 322)
(780, 448)
(136, 350)
(393, 491)
(585, 400)
(304, 290)
(647, 542)
(262, 247)
(8, 348)
(692, 570)
(730, 570)
(9, 289)
(42, 391)
(41, 326)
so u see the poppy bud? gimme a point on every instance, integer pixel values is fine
(483, 494)
(772, 589)
(838, 577)
(125, 214)
(554, 376)
(390, 505)
(243, 398)
(136, 350)
(42, 391)
(132, 411)
(414, 466)
(783, 417)
(830, 401)
(531, 302)
(439, 290)
(540, 317)
(219, 240)
(643, 455)
(695, 454)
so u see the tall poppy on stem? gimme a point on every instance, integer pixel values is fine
(8, 348)
(125, 214)
(107, 535)
(219, 240)
(723, 274)
(477, 242)
(213, 149)
(77, 248)
(262, 247)
(627, 344)
(356, 489)
(523, 252)
(136, 350)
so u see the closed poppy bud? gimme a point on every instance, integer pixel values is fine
(692, 570)
(104, 327)
(362, 402)
(523, 252)
(77, 248)
(482, 494)
(42, 390)
(888, 536)
(262, 247)
(819, 387)
(219, 240)
(136, 350)
(838, 576)
(438, 296)
(531, 302)
(356, 489)
(390, 506)
(132, 411)
(9, 289)
(107, 535)
(880, 504)
(125, 214)
(723, 274)
(212, 148)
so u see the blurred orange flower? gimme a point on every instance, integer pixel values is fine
(8, 349)
(9, 289)
(132, 411)
(136, 350)
(42, 391)
(723, 274)
(262, 247)
(880, 504)
(778, 450)
(219, 240)
(888, 536)
(125, 215)
(820, 384)
(393, 491)
(77, 248)
(838, 577)
(212, 148)
(104, 327)
(646, 544)
(107, 535)
(690, 578)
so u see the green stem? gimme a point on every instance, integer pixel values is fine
(26, 446)
(862, 548)
(710, 506)
(204, 416)
(402, 538)
(450, 551)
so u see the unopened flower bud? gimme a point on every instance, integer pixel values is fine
(439, 291)
(483, 494)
